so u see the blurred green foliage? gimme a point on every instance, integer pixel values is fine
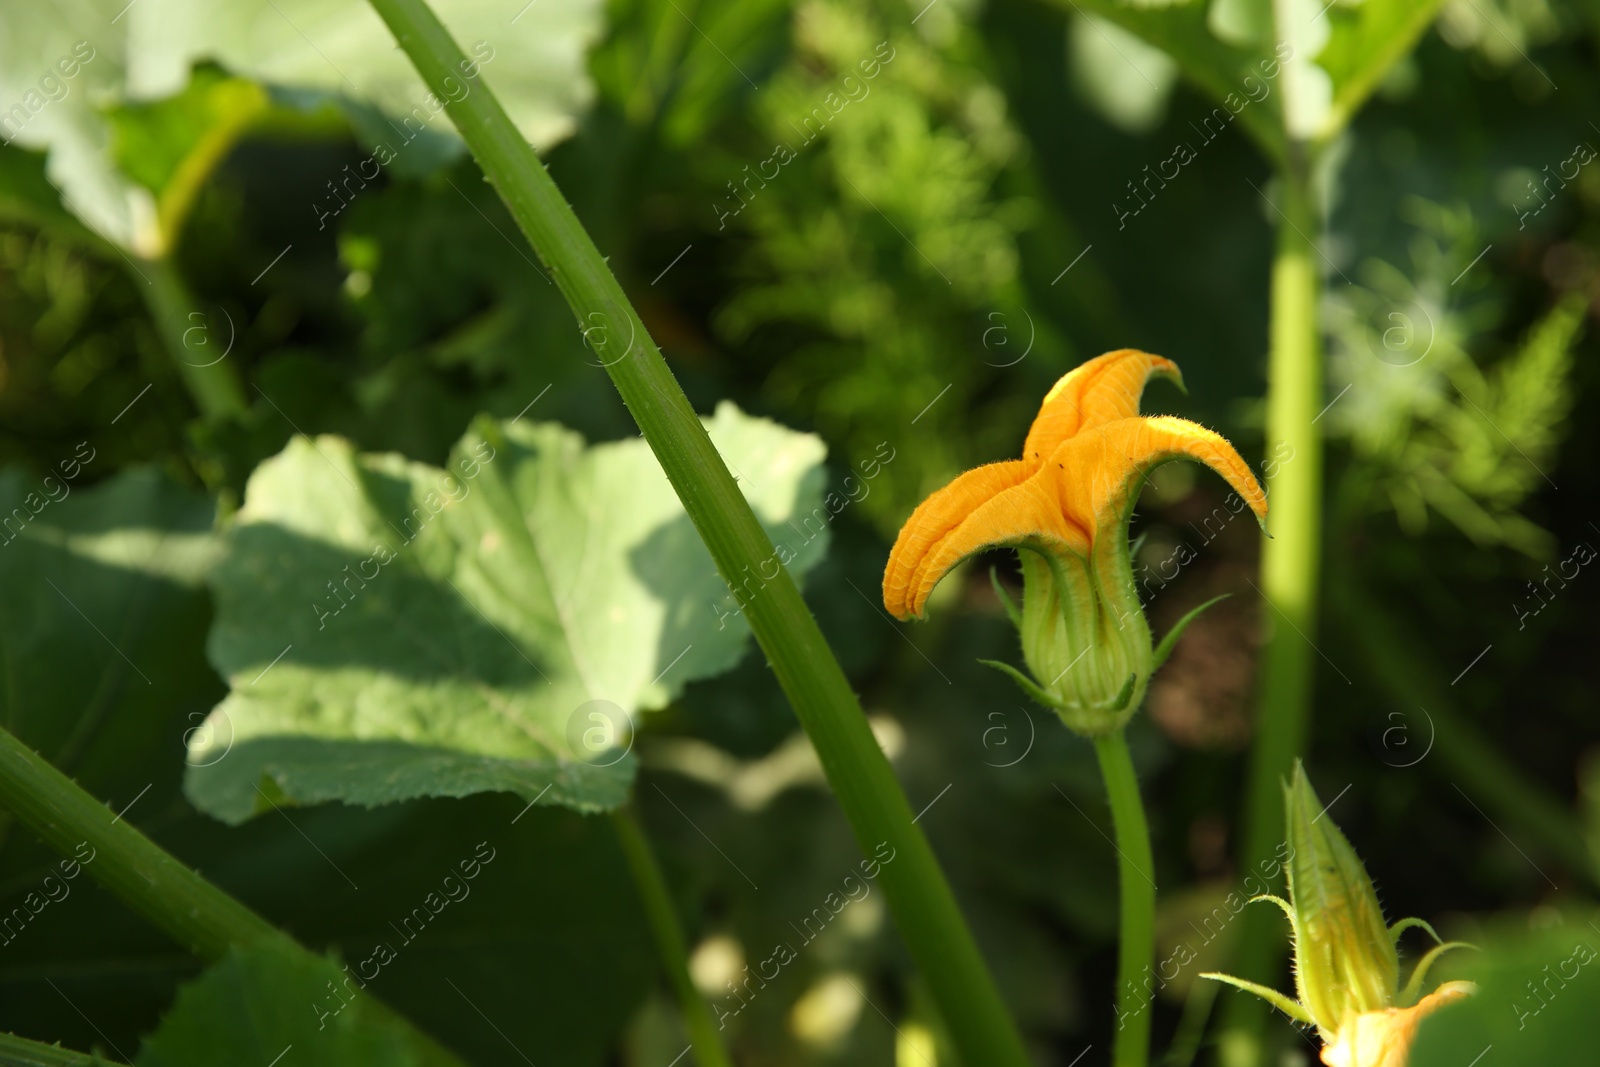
(1432, 428)
(937, 246)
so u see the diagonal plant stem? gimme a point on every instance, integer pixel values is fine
(1136, 945)
(211, 379)
(20, 1052)
(664, 925)
(190, 910)
(919, 896)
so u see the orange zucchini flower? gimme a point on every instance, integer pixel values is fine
(1068, 500)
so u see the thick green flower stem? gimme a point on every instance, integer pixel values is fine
(189, 909)
(1290, 564)
(918, 894)
(1136, 948)
(195, 343)
(663, 919)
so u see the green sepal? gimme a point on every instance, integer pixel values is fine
(1406, 924)
(1169, 642)
(1283, 905)
(1013, 612)
(1293, 1009)
(1120, 701)
(1408, 995)
(1028, 685)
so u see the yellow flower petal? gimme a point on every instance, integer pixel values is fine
(1383, 1038)
(935, 519)
(1099, 471)
(1102, 390)
(1029, 513)
(1085, 457)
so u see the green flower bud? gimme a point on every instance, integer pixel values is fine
(1346, 969)
(1084, 636)
(1345, 960)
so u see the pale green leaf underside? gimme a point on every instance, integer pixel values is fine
(534, 65)
(535, 576)
(537, 71)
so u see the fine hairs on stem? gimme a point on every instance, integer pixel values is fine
(919, 895)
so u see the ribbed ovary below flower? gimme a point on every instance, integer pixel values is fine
(1068, 500)
(1346, 968)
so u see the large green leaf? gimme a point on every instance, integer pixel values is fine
(1538, 993)
(393, 630)
(102, 670)
(262, 1005)
(95, 574)
(532, 53)
(117, 52)
(86, 574)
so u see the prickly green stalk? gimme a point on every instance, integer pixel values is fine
(919, 895)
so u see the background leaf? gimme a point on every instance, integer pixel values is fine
(532, 54)
(117, 570)
(1353, 47)
(392, 630)
(263, 1003)
(1364, 43)
(1538, 992)
(92, 578)
(144, 51)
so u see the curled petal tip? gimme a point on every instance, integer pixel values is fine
(1104, 389)
(950, 525)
